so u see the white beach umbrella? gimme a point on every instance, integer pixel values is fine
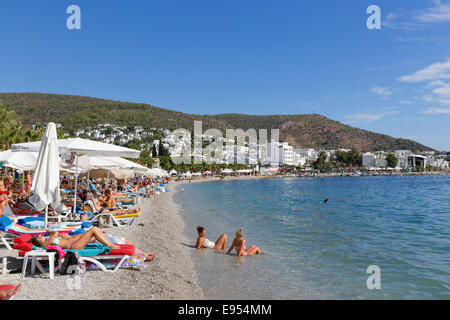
(111, 173)
(187, 174)
(128, 165)
(156, 172)
(25, 161)
(82, 146)
(78, 146)
(45, 187)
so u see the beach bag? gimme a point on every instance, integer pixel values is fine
(105, 222)
(73, 264)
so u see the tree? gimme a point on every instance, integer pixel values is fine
(154, 152)
(12, 131)
(341, 158)
(163, 152)
(354, 158)
(321, 163)
(391, 160)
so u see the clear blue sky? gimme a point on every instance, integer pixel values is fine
(252, 56)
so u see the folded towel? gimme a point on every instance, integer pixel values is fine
(92, 249)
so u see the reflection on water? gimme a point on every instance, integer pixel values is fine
(316, 250)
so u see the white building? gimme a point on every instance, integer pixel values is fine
(280, 153)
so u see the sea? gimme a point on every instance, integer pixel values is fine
(385, 237)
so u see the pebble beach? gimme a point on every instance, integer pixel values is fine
(171, 275)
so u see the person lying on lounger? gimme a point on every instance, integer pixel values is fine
(98, 207)
(79, 242)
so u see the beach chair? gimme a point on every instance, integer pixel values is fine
(104, 258)
(118, 220)
(10, 230)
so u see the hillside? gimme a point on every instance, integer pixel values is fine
(302, 131)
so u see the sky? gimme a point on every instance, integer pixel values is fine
(243, 56)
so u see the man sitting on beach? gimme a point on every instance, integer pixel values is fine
(103, 206)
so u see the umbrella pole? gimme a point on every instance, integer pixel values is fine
(76, 184)
(23, 182)
(107, 181)
(46, 217)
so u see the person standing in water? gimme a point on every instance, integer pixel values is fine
(239, 245)
(202, 242)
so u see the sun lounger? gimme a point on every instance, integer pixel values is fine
(10, 230)
(93, 252)
(119, 220)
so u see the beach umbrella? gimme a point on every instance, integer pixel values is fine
(113, 173)
(156, 172)
(77, 147)
(82, 146)
(45, 187)
(128, 165)
(24, 161)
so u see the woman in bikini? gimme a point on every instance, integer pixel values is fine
(202, 242)
(239, 245)
(5, 193)
(79, 242)
(28, 183)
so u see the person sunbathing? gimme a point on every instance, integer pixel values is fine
(79, 242)
(239, 245)
(65, 242)
(99, 208)
(202, 242)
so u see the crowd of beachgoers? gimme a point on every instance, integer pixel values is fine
(106, 217)
(99, 203)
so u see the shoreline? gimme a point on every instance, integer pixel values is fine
(171, 275)
(164, 278)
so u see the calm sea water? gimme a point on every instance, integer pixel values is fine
(317, 250)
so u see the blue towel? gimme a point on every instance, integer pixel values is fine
(92, 249)
(86, 225)
(23, 221)
(4, 222)
(77, 231)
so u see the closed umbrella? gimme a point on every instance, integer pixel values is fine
(45, 187)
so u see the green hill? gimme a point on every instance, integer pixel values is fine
(302, 131)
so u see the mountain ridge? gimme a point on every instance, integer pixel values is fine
(300, 130)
